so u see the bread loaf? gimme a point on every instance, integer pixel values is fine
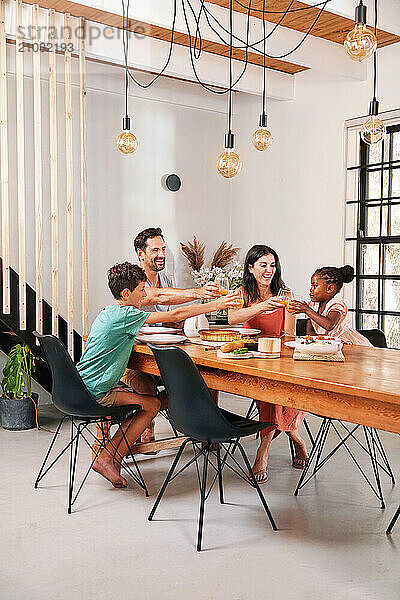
(232, 346)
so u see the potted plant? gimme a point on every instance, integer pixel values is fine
(18, 403)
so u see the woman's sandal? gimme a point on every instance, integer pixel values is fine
(299, 463)
(263, 476)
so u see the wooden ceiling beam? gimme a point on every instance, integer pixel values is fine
(329, 26)
(163, 33)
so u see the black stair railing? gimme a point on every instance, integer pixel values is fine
(11, 334)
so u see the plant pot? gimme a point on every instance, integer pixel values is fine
(18, 413)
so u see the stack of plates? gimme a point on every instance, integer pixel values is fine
(163, 336)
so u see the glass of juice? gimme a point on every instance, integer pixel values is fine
(240, 300)
(284, 296)
(223, 285)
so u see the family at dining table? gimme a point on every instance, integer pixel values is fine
(145, 294)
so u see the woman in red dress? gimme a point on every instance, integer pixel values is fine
(262, 281)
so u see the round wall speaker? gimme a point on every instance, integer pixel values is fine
(172, 182)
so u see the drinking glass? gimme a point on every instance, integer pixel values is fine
(240, 300)
(285, 296)
(223, 285)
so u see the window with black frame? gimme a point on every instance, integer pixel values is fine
(377, 236)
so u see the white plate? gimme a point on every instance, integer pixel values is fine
(290, 344)
(244, 331)
(319, 347)
(235, 356)
(164, 339)
(147, 329)
(198, 340)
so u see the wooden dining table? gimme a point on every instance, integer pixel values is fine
(364, 389)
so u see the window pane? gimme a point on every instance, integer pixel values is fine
(384, 221)
(375, 153)
(395, 220)
(370, 259)
(374, 185)
(391, 327)
(369, 294)
(396, 145)
(392, 259)
(369, 321)
(396, 182)
(386, 147)
(392, 295)
(373, 221)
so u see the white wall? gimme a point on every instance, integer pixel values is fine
(292, 195)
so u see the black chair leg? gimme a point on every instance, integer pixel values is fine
(255, 484)
(72, 461)
(383, 454)
(326, 424)
(139, 479)
(203, 491)
(393, 521)
(307, 428)
(292, 449)
(313, 453)
(220, 482)
(374, 463)
(167, 479)
(40, 476)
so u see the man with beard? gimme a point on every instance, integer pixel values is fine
(161, 293)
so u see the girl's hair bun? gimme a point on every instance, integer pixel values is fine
(347, 273)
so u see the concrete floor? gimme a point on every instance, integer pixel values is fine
(330, 544)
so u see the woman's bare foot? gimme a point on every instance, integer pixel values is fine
(301, 450)
(260, 467)
(108, 470)
(301, 457)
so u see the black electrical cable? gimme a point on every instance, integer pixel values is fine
(205, 86)
(264, 92)
(375, 28)
(254, 44)
(271, 32)
(279, 12)
(171, 43)
(230, 68)
(195, 52)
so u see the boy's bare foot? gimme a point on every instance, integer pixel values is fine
(108, 471)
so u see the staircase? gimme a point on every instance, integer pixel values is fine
(10, 334)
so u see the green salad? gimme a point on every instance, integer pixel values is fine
(240, 351)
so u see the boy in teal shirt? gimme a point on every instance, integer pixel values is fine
(107, 353)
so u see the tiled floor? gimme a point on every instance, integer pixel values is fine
(330, 544)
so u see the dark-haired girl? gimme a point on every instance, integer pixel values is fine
(326, 313)
(262, 280)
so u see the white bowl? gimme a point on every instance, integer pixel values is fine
(329, 347)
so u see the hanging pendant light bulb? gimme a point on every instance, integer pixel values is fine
(262, 138)
(229, 163)
(373, 130)
(360, 42)
(126, 141)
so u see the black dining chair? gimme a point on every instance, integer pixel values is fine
(71, 397)
(211, 430)
(393, 521)
(373, 445)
